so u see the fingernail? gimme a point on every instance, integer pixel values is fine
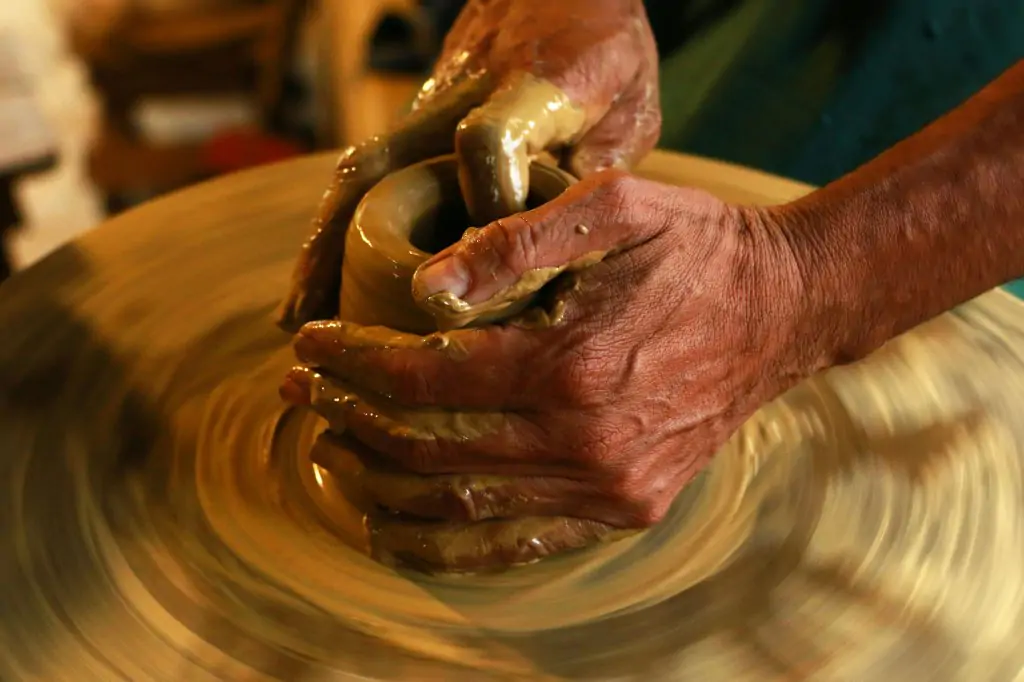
(449, 274)
(295, 388)
(314, 339)
(304, 347)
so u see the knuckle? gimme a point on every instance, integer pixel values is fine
(612, 193)
(409, 382)
(479, 131)
(631, 489)
(420, 455)
(474, 502)
(516, 242)
(648, 512)
(654, 122)
(416, 454)
(596, 444)
(651, 131)
(579, 377)
(616, 187)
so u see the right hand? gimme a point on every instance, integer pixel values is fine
(562, 427)
(516, 78)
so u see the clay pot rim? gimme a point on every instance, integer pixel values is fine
(435, 176)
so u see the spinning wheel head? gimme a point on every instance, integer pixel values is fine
(162, 519)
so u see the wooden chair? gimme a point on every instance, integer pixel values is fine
(27, 143)
(239, 47)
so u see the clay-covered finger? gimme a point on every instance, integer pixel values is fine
(433, 441)
(482, 545)
(475, 369)
(496, 142)
(425, 133)
(467, 497)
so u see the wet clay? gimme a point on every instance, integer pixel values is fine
(496, 144)
(160, 519)
(399, 224)
(424, 134)
(501, 129)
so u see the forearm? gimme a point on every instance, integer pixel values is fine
(933, 222)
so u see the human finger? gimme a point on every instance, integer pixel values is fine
(469, 497)
(433, 441)
(425, 133)
(477, 369)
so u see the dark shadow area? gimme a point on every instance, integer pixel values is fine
(438, 229)
(675, 23)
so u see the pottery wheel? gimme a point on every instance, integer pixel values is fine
(161, 520)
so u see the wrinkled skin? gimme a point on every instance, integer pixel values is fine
(599, 419)
(662, 350)
(599, 53)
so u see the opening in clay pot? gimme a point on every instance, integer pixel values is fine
(406, 218)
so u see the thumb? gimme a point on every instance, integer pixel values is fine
(494, 268)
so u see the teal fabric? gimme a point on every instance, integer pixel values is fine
(811, 89)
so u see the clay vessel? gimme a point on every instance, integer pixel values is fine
(406, 218)
(402, 221)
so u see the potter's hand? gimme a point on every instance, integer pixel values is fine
(516, 78)
(607, 405)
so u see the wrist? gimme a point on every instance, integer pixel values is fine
(830, 319)
(927, 225)
(796, 336)
(848, 290)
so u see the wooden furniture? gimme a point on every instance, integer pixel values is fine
(365, 103)
(193, 49)
(27, 143)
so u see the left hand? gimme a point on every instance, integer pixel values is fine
(657, 354)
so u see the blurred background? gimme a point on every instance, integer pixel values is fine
(107, 103)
